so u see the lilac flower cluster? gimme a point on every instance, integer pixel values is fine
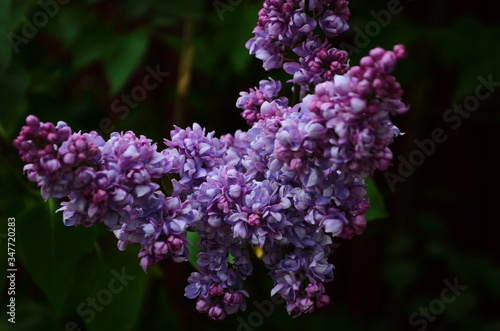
(252, 101)
(36, 144)
(109, 182)
(287, 31)
(198, 154)
(287, 187)
(219, 281)
(345, 124)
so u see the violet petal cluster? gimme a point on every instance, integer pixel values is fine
(110, 182)
(288, 35)
(251, 101)
(286, 188)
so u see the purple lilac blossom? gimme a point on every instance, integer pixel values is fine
(283, 27)
(252, 101)
(200, 152)
(109, 182)
(288, 186)
(355, 110)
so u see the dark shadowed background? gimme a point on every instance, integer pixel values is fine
(432, 264)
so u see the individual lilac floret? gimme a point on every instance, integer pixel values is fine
(300, 24)
(332, 24)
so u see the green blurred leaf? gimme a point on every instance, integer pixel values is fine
(165, 314)
(437, 249)
(401, 245)
(340, 318)
(492, 326)
(193, 237)
(30, 315)
(5, 47)
(134, 8)
(3, 246)
(110, 291)
(377, 206)
(467, 266)
(13, 86)
(479, 49)
(433, 226)
(66, 25)
(244, 17)
(4, 12)
(400, 275)
(50, 251)
(20, 11)
(227, 43)
(90, 44)
(122, 56)
(461, 306)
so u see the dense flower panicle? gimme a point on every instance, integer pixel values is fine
(299, 276)
(355, 109)
(122, 188)
(109, 182)
(37, 144)
(286, 188)
(284, 26)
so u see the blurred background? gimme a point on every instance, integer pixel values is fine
(429, 261)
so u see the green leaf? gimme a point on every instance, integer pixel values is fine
(133, 9)
(377, 206)
(5, 46)
(30, 315)
(455, 52)
(66, 25)
(462, 305)
(492, 325)
(244, 18)
(4, 12)
(400, 275)
(90, 44)
(476, 270)
(122, 56)
(13, 86)
(110, 291)
(164, 312)
(19, 11)
(193, 237)
(401, 246)
(3, 247)
(50, 251)
(227, 43)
